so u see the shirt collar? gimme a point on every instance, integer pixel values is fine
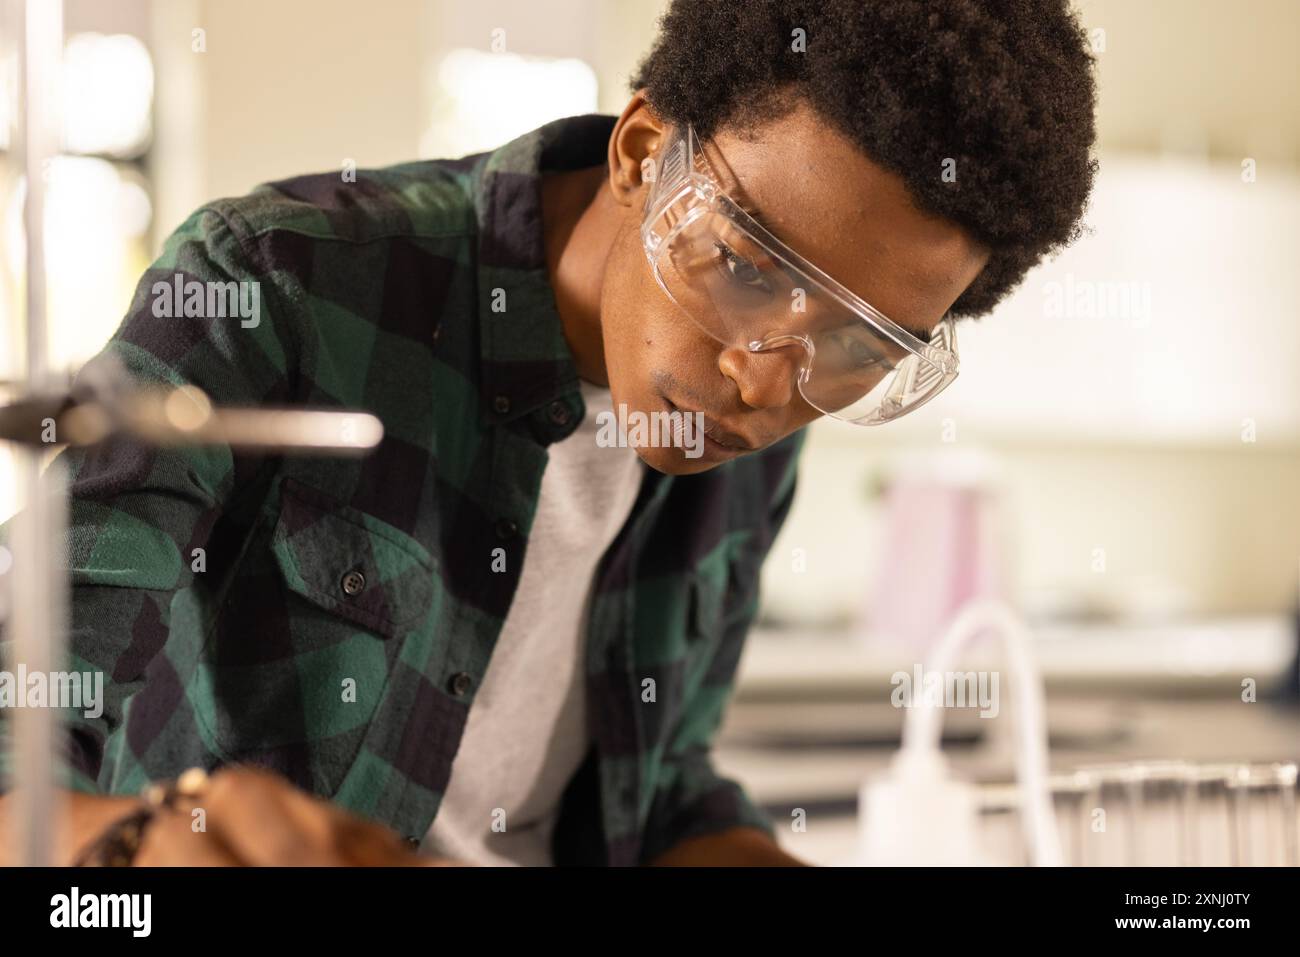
(525, 362)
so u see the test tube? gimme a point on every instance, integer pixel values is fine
(1286, 774)
(1116, 814)
(1209, 810)
(1163, 837)
(1070, 797)
(1168, 813)
(1263, 815)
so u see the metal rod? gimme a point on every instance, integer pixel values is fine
(38, 609)
(42, 58)
(109, 402)
(185, 417)
(38, 606)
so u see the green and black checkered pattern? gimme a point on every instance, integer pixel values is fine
(378, 294)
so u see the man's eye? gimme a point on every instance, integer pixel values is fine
(860, 354)
(739, 269)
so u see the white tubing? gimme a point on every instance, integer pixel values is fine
(921, 727)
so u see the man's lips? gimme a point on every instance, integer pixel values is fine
(715, 431)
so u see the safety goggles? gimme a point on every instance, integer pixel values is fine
(746, 288)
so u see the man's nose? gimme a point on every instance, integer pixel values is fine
(766, 380)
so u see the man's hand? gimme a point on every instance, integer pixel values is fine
(250, 817)
(84, 816)
(253, 817)
(734, 847)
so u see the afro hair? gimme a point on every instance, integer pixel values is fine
(1004, 88)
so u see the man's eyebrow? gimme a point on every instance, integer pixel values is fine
(754, 213)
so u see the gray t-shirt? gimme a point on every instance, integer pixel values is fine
(526, 731)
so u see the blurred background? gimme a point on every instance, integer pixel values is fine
(1120, 457)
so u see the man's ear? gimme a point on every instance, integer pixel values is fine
(635, 138)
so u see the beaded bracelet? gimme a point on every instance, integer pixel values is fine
(118, 845)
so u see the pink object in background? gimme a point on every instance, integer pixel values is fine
(942, 547)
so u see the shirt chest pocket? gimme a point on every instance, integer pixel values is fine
(307, 637)
(350, 564)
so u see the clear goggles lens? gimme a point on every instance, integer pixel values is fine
(747, 290)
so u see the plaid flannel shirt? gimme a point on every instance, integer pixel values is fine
(208, 585)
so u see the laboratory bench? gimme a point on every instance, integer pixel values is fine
(812, 718)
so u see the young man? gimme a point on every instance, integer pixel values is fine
(506, 636)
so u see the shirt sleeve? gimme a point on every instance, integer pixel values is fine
(692, 799)
(138, 515)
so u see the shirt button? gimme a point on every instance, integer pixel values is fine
(412, 842)
(558, 413)
(352, 584)
(460, 683)
(502, 404)
(506, 528)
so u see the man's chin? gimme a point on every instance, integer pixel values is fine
(673, 460)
